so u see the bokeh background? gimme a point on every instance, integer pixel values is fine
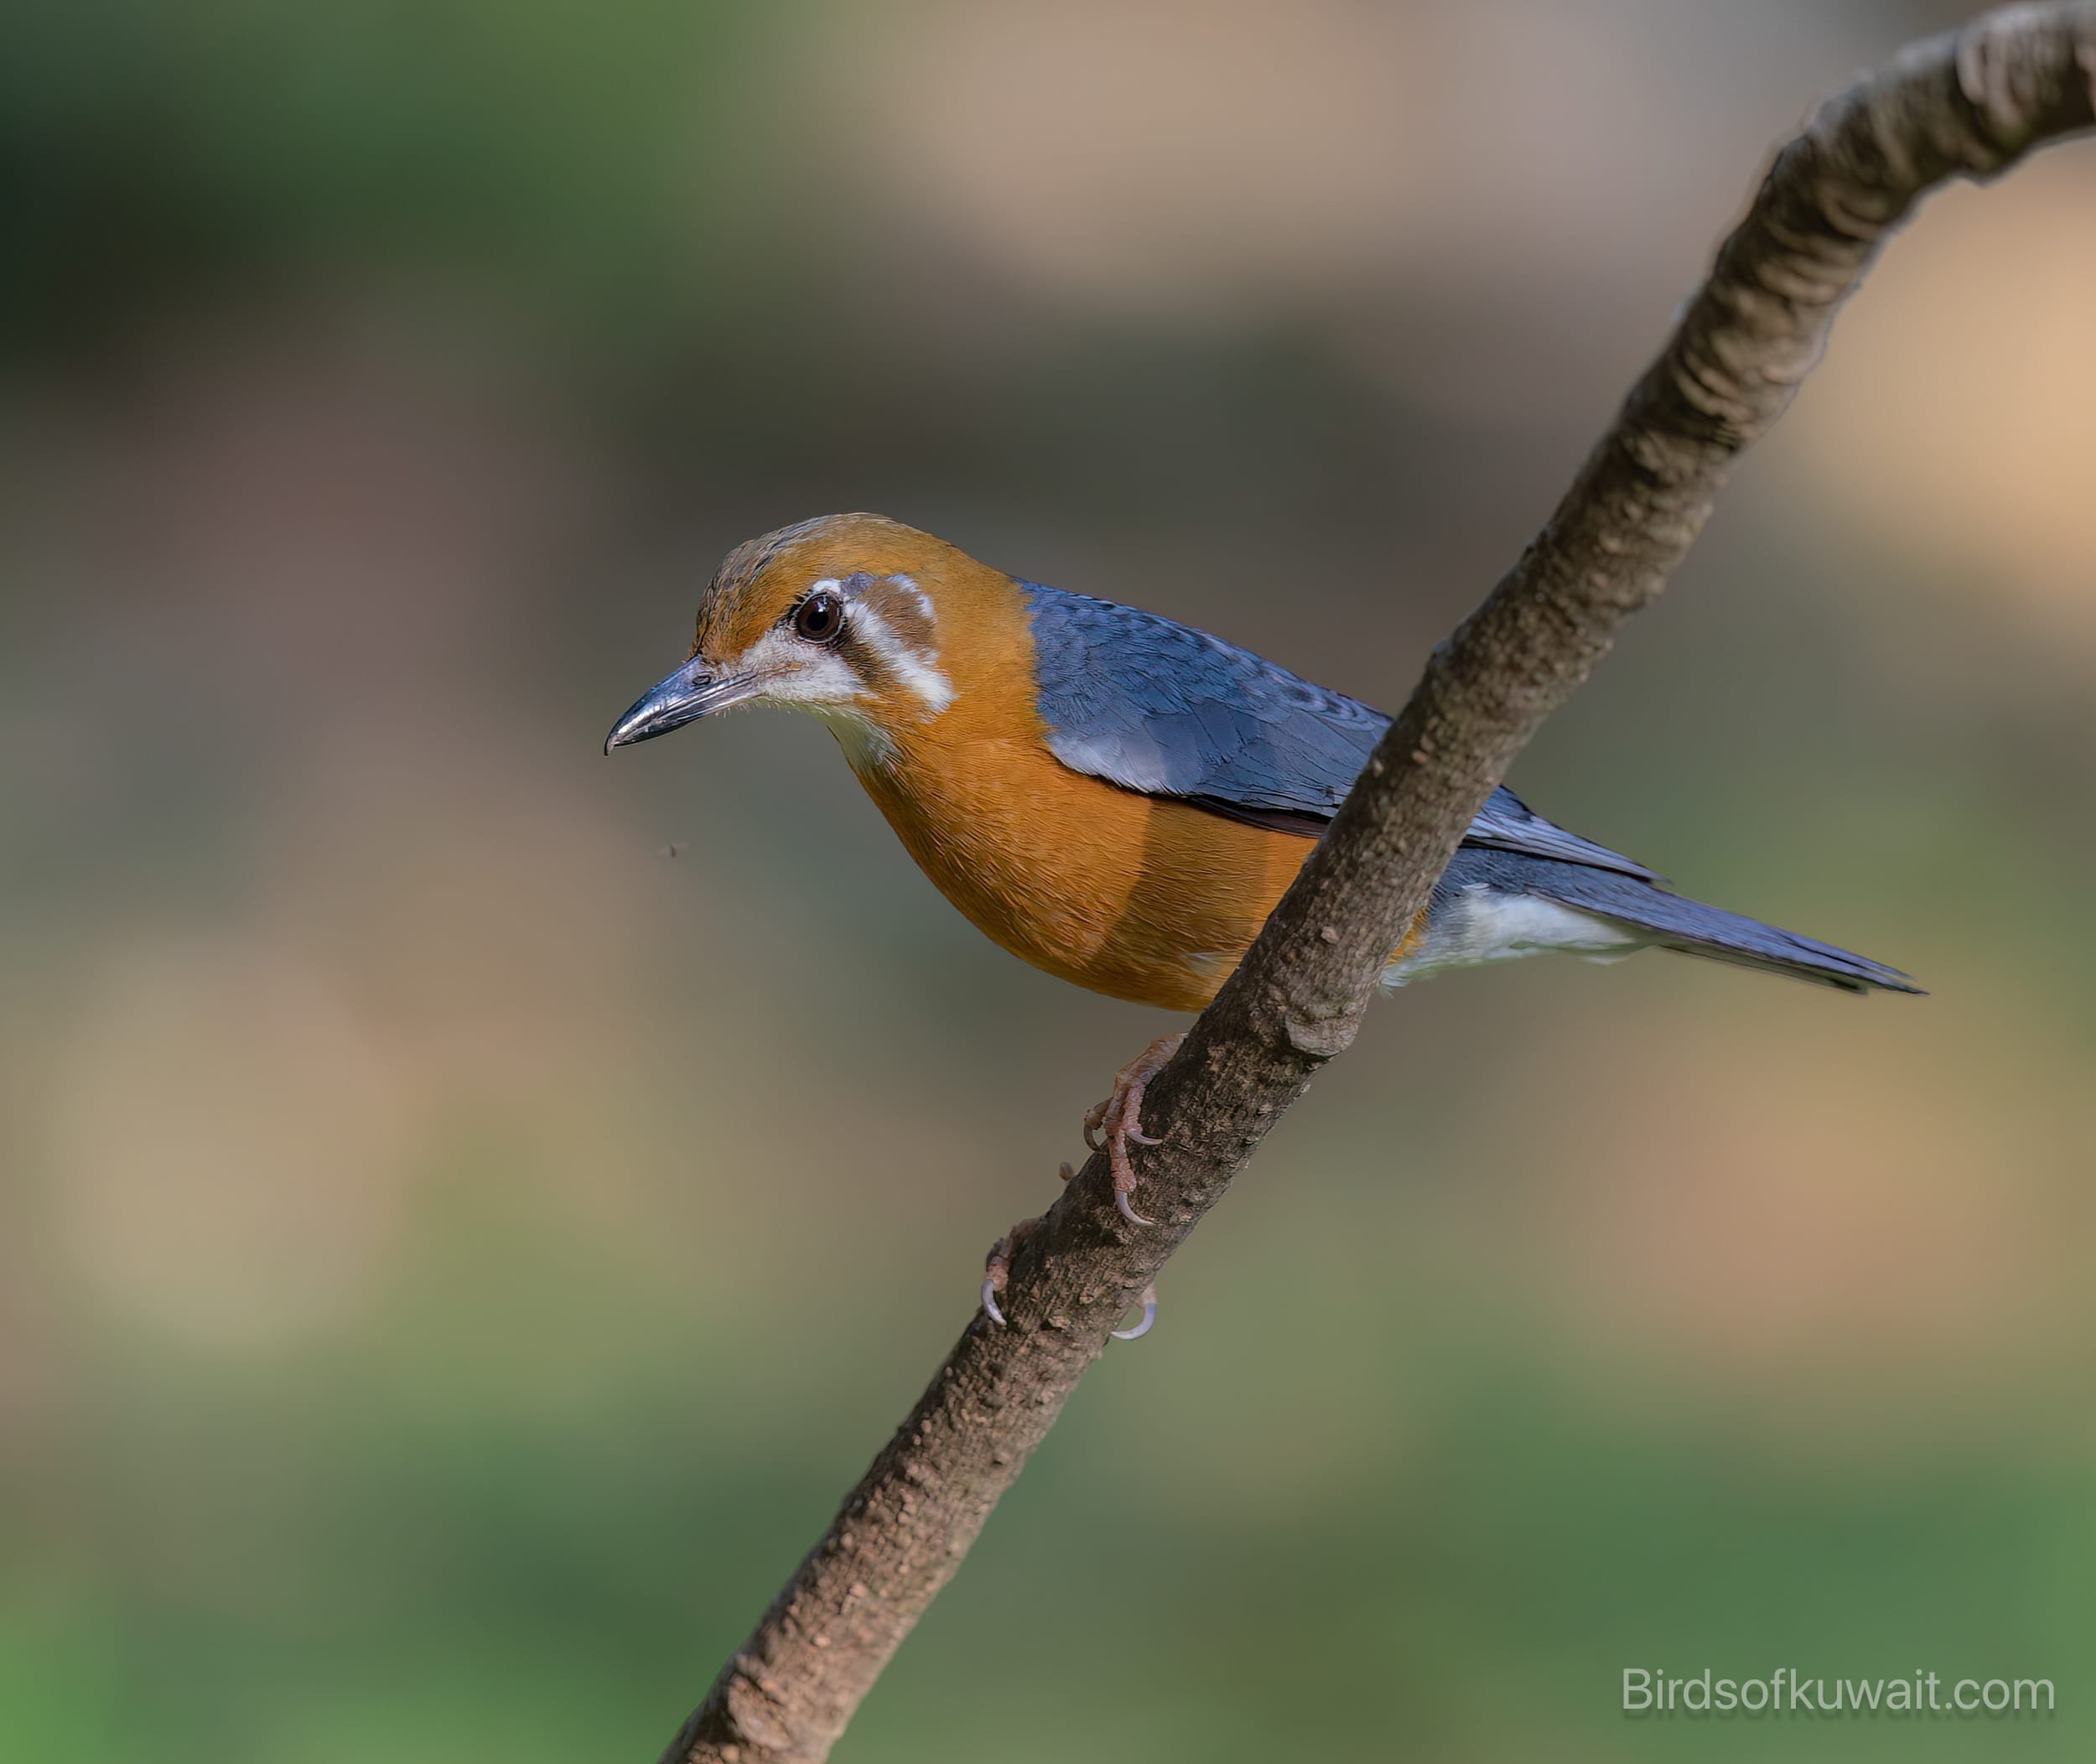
(468, 1207)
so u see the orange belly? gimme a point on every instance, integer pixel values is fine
(1136, 896)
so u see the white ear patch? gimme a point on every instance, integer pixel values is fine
(916, 666)
(909, 585)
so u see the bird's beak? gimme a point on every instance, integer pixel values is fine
(688, 693)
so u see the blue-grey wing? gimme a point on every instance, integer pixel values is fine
(1155, 706)
(1507, 823)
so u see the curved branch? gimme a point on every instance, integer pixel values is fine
(1969, 104)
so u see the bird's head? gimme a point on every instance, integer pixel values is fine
(838, 615)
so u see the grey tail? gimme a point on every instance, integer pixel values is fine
(1749, 943)
(1673, 921)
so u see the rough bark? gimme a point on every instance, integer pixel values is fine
(1969, 103)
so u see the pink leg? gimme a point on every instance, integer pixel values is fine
(1120, 1118)
(997, 1265)
(997, 1270)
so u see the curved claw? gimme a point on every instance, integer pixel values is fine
(1150, 1319)
(990, 1303)
(1118, 1120)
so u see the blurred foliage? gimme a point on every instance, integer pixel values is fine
(467, 1208)
(199, 149)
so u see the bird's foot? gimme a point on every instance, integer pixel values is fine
(997, 1270)
(1120, 1118)
(997, 1265)
(1149, 1302)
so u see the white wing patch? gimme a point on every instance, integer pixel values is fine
(1130, 760)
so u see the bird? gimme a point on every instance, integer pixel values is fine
(1120, 799)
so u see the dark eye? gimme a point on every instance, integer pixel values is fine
(820, 618)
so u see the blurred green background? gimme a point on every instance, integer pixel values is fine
(467, 1208)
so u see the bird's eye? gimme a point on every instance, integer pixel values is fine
(820, 618)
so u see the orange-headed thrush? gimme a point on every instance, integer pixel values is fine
(1120, 799)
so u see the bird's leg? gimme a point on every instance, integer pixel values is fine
(1120, 1118)
(997, 1265)
(997, 1270)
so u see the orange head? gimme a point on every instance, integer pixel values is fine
(849, 616)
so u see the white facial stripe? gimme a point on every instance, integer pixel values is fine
(797, 673)
(917, 668)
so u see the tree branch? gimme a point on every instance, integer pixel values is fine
(1969, 103)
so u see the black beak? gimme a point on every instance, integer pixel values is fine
(688, 694)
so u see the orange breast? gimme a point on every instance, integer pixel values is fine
(1138, 897)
